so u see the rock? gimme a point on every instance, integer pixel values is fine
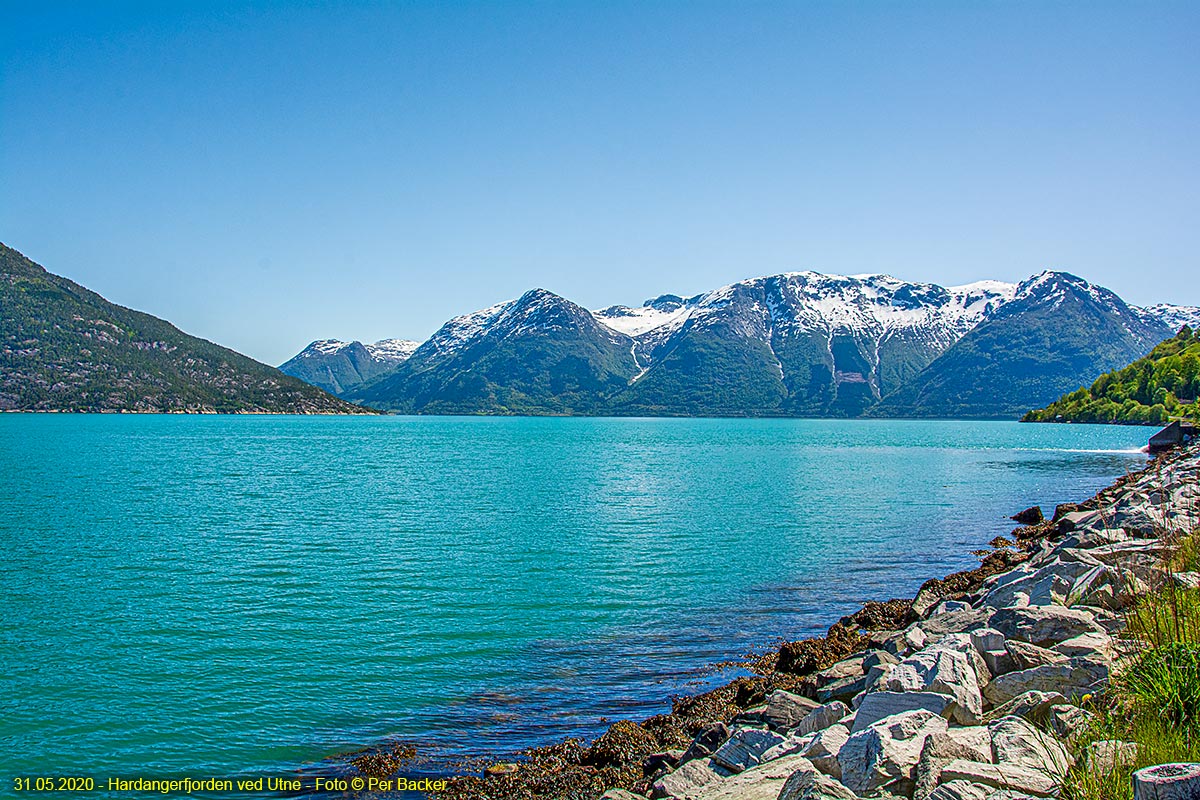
(1079, 520)
(971, 744)
(1027, 585)
(962, 643)
(877, 677)
(1001, 776)
(939, 625)
(744, 749)
(687, 782)
(986, 639)
(1186, 580)
(887, 752)
(1026, 655)
(1030, 705)
(763, 782)
(842, 689)
(814, 786)
(880, 705)
(785, 710)
(1088, 645)
(1167, 782)
(948, 606)
(961, 790)
(822, 717)
(621, 794)
(925, 601)
(707, 741)
(877, 658)
(1109, 755)
(1110, 621)
(1044, 625)
(789, 746)
(1066, 721)
(1030, 516)
(1077, 677)
(945, 671)
(1016, 742)
(824, 749)
(846, 668)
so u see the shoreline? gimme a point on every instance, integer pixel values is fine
(632, 755)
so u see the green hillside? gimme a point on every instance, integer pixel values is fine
(65, 348)
(1151, 390)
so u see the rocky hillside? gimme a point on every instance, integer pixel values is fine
(340, 367)
(65, 348)
(1164, 384)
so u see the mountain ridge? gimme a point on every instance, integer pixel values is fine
(793, 344)
(64, 347)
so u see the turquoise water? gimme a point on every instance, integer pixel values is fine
(218, 595)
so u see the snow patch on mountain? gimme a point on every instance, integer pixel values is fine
(393, 351)
(1174, 317)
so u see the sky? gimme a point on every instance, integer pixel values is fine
(265, 174)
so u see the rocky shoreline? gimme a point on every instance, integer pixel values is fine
(965, 692)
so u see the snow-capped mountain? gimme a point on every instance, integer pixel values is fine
(819, 343)
(338, 367)
(800, 343)
(539, 352)
(1057, 333)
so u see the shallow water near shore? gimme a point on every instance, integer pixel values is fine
(225, 595)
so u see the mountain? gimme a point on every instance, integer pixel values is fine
(794, 344)
(537, 354)
(1164, 384)
(1055, 334)
(65, 348)
(339, 367)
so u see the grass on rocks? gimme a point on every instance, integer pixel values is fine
(1154, 698)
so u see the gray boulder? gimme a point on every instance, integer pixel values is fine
(822, 717)
(1076, 677)
(763, 782)
(972, 744)
(880, 705)
(804, 785)
(961, 790)
(1067, 721)
(1030, 705)
(785, 710)
(887, 752)
(824, 748)
(1001, 776)
(1044, 625)
(745, 749)
(1109, 755)
(940, 625)
(944, 671)
(1016, 742)
(1025, 655)
(687, 782)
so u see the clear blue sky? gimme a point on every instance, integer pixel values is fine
(263, 174)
